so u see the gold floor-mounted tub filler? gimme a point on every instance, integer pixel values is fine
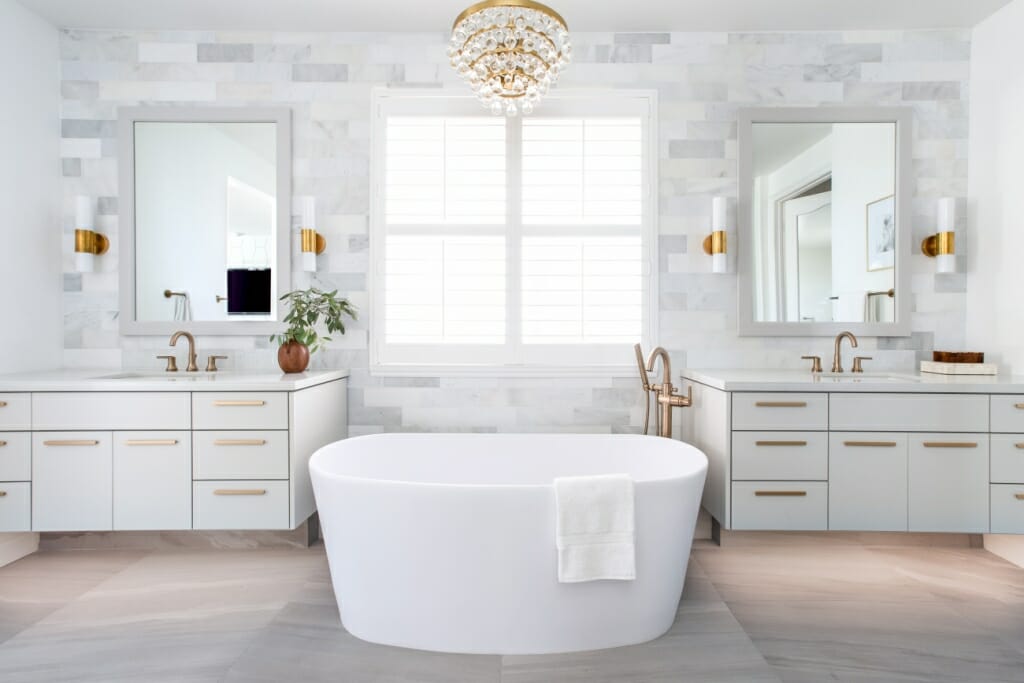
(665, 397)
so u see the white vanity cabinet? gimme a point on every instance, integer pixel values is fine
(168, 454)
(917, 454)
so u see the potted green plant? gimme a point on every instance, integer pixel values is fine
(306, 309)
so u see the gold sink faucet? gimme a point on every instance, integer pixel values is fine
(192, 366)
(837, 359)
(666, 398)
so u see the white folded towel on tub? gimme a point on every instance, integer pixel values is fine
(595, 529)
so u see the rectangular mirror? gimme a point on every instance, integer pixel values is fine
(206, 219)
(823, 221)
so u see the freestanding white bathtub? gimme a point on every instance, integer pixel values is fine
(446, 542)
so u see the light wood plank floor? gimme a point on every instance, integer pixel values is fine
(798, 612)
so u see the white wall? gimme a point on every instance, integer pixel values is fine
(31, 334)
(995, 238)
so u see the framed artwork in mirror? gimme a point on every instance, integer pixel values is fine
(881, 233)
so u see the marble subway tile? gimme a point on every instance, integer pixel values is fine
(168, 52)
(225, 52)
(319, 72)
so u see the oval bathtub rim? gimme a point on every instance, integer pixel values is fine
(377, 481)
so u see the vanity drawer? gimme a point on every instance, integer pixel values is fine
(1007, 458)
(780, 456)
(15, 412)
(240, 504)
(240, 410)
(785, 412)
(780, 505)
(909, 412)
(1007, 509)
(15, 456)
(111, 410)
(16, 506)
(1008, 414)
(240, 455)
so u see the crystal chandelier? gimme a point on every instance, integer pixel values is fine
(510, 52)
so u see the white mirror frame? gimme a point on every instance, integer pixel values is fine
(127, 118)
(903, 118)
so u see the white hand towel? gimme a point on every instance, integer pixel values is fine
(852, 306)
(595, 528)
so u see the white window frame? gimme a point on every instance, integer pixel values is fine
(553, 360)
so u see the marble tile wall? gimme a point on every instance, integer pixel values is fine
(327, 78)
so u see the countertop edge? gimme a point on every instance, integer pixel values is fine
(915, 384)
(87, 381)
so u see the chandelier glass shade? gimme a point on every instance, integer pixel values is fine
(509, 52)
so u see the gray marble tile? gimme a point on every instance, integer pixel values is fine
(225, 52)
(311, 73)
(307, 642)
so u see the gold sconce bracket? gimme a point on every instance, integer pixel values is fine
(716, 243)
(939, 244)
(313, 242)
(89, 242)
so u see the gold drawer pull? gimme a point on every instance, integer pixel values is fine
(781, 443)
(240, 442)
(1019, 445)
(3, 404)
(240, 492)
(151, 442)
(870, 444)
(1019, 406)
(781, 494)
(781, 404)
(237, 404)
(1019, 496)
(2, 444)
(3, 493)
(950, 444)
(72, 442)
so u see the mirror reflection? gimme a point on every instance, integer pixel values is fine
(205, 221)
(824, 219)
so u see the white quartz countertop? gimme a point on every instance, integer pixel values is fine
(148, 380)
(869, 382)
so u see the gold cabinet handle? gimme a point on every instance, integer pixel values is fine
(2, 444)
(781, 404)
(1019, 445)
(151, 442)
(781, 494)
(237, 404)
(3, 404)
(781, 443)
(240, 492)
(1019, 496)
(870, 444)
(72, 442)
(950, 444)
(3, 493)
(1019, 406)
(240, 442)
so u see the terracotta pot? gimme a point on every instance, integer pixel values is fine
(293, 357)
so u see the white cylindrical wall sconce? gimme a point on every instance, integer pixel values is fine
(313, 243)
(716, 245)
(88, 243)
(942, 245)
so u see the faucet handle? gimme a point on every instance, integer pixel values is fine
(857, 367)
(172, 363)
(211, 363)
(816, 364)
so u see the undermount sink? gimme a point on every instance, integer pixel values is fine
(166, 376)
